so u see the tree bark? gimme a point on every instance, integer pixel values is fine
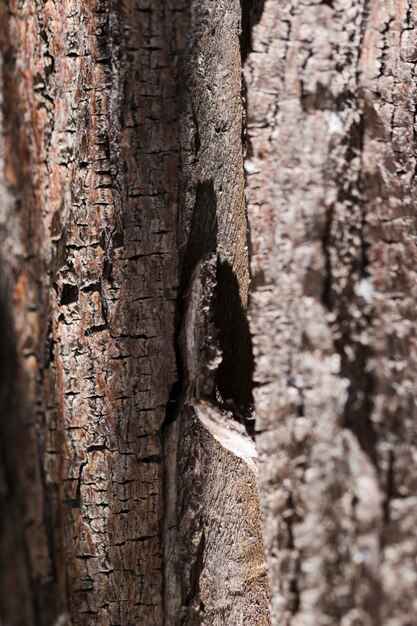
(156, 320)
(331, 187)
(91, 155)
(123, 166)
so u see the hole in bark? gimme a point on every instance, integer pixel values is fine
(118, 239)
(202, 240)
(69, 294)
(92, 288)
(234, 375)
(107, 269)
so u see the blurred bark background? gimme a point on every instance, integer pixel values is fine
(271, 145)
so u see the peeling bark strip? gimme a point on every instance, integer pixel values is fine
(331, 189)
(215, 571)
(122, 137)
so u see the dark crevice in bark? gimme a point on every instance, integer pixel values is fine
(251, 15)
(389, 490)
(365, 17)
(359, 405)
(14, 554)
(8, 378)
(95, 329)
(202, 240)
(69, 294)
(234, 375)
(195, 573)
(237, 344)
(75, 503)
(326, 294)
(294, 598)
(354, 354)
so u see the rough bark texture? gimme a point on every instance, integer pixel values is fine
(91, 159)
(124, 297)
(331, 188)
(123, 165)
(216, 511)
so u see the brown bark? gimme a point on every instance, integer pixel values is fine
(216, 510)
(128, 477)
(91, 156)
(122, 136)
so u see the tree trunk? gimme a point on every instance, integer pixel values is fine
(140, 362)
(123, 167)
(331, 188)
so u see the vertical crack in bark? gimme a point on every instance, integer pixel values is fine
(10, 424)
(294, 591)
(390, 492)
(251, 13)
(235, 372)
(353, 316)
(195, 573)
(202, 240)
(345, 305)
(238, 344)
(75, 503)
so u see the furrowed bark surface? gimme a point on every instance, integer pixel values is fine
(124, 292)
(91, 161)
(331, 189)
(123, 166)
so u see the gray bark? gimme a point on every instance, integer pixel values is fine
(331, 188)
